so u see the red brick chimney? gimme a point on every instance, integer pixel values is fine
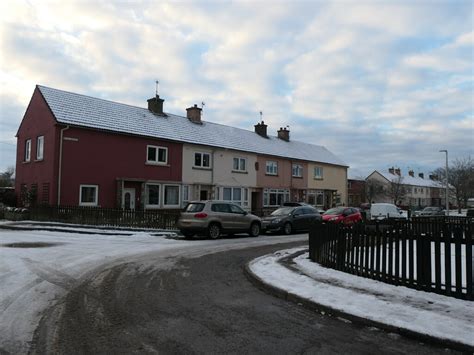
(155, 105)
(411, 173)
(284, 134)
(391, 170)
(421, 175)
(261, 129)
(194, 114)
(398, 172)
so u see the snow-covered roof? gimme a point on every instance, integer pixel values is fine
(85, 111)
(412, 181)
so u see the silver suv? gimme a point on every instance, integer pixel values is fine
(213, 218)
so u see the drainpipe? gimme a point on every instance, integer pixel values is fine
(60, 162)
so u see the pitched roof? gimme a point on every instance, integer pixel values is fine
(412, 181)
(85, 111)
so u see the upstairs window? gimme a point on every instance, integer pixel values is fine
(39, 147)
(88, 195)
(271, 168)
(202, 160)
(318, 173)
(28, 150)
(297, 170)
(240, 164)
(156, 155)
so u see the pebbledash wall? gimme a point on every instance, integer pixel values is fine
(100, 153)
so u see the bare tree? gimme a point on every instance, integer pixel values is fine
(461, 179)
(373, 188)
(6, 178)
(397, 190)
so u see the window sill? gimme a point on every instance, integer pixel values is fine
(317, 178)
(157, 164)
(26, 162)
(271, 174)
(38, 160)
(86, 204)
(152, 207)
(240, 172)
(297, 177)
(201, 168)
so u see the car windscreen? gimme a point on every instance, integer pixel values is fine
(194, 207)
(337, 210)
(283, 211)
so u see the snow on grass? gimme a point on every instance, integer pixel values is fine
(427, 313)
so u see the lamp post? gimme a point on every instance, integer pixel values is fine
(447, 184)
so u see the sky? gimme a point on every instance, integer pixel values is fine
(378, 83)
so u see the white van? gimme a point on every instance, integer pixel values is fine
(380, 211)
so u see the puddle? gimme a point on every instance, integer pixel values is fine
(30, 245)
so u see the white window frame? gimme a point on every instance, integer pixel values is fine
(318, 173)
(266, 196)
(96, 197)
(271, 167)
(185, 193)
(28, 150)
(147, 197)
(156, 161)
(297, 170)
(202, 166)
(240, 161)
(39, 148)
(244, 195)
(164, 195)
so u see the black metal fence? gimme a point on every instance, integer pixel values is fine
(429, 254)
(157, 219)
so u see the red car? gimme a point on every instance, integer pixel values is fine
(344, 215)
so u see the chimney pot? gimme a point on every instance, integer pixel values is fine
(398, 172)
(421, 175)
(411, 173)
(194, 114)
(391, 170)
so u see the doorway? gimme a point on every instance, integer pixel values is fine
(203, 195)
(128, 199)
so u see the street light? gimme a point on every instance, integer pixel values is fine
(447, 184)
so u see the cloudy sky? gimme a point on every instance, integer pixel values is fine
(378, 83)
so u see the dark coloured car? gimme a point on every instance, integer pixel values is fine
(431, 212)
(343, 215)
(288, 219)
(212, 218)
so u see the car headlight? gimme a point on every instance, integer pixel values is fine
(277, 220)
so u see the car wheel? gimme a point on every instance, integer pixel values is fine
(188, 235)
(254, 229)
(214, 231)
(287, 228)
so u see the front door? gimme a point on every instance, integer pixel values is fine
(203, 195)
(128, 199)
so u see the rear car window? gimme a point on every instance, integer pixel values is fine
(220, 207)
(195, 207)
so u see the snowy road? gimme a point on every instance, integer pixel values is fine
(37, 268)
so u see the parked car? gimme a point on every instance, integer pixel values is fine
(431, 211)
(296, 204)
(343, 215)
(288, 219)
(380, 211)
(212, 218)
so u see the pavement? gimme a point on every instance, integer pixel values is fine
(427, 317)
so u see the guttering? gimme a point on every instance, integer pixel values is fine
(60, 162)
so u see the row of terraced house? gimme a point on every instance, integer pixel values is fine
(85, 151)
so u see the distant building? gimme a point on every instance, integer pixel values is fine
(418, 191)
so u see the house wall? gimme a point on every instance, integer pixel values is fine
(100, 158)
(282, 180)
(334, 178)
(38, 121)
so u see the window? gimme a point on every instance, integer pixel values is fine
(202, 160)
(275, 197)
(318, 172)
(28, 150)
(152, 196)
(272, 168)
(240, 164)
(156, 155)
(88, 195)
(171, 195)
(297, 170)
(185, 194)
(236, 209)
(39, 148)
